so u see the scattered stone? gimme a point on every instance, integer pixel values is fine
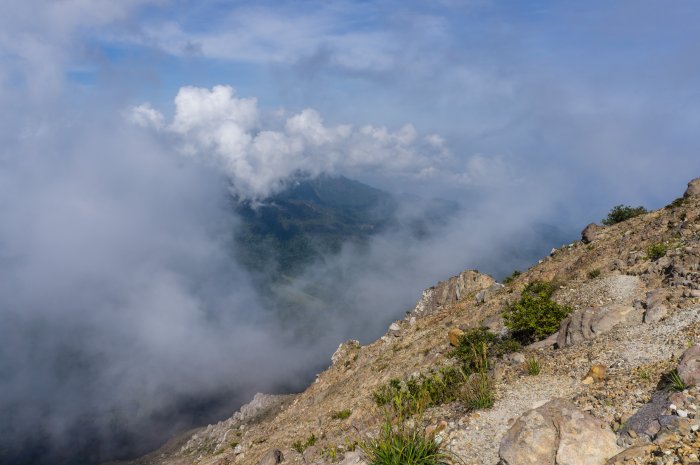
(655, 314)
(596, 374)
(557, 433)
(272, 457)
(353, 458)
(394, 329)
(689, 367)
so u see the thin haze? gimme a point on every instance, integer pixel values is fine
(127, 126)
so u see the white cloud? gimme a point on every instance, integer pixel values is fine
(226, 130)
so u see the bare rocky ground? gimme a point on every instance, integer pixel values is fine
(634, 316)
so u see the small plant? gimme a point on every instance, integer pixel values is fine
(594, 273)
(532, 364)
(656, 251)
(400, 445)
(644, 375)
(302, 446)
(535, 316)
(341, 414)
(620, 213)
(414, 395)
(330, 453)
(511, 277)
(473, 342)
(674, 382)
(478, 391)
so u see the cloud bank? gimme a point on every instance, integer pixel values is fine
(260, 152)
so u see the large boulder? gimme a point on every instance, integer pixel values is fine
(557, 433)
(693, 189)
(583, 325)
(689, 367)
(589, 233)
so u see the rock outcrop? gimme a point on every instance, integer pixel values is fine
(589, 233)
(586, 324)
(451, 291)
(557, 433)
(693, 189)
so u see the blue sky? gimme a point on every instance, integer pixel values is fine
(598, 92)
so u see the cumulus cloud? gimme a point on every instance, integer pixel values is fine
(260, 155)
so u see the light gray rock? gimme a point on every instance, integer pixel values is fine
(557, 433)
(394, 329)
(655, 314)
(494, 323)
(689, 367)
(693, 189)
(586, 324)
(272, 457)
(516, 358)
(589, 233)
(353, 458)
(544, 343)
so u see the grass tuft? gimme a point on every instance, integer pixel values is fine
(400, 445)
(532, 364)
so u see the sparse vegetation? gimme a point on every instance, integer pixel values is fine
(532, 365)
(414, 395)
(535, 316)
(643, 375)
(620, 213)
(300, 446)
(400, 445)
(341, 414)
(676, 203)
(511, 277)
(674, 382)
(656, 251)
(594, 273)
(473, 343)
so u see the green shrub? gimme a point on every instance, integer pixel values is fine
(510, 278)
(656, 251)
(400, 445)
(594, 273)
(535, 316)
(341, 414)
(621, 213)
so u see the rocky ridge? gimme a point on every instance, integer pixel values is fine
(635, 315)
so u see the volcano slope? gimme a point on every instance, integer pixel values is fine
(633, 289)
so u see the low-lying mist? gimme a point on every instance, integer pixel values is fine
(125, 317)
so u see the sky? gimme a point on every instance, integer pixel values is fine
(126, 126)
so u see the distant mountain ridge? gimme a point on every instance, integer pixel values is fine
(310, 218)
